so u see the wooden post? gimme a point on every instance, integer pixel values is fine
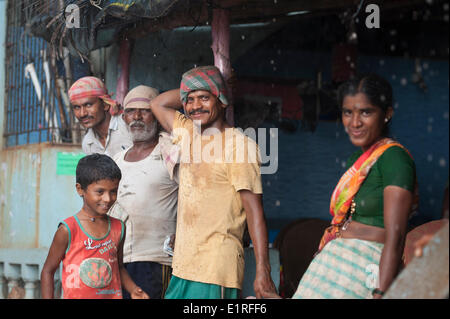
(124, 70)
(220, 28)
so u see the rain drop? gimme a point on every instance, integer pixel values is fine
(277, 203)
(442, 162)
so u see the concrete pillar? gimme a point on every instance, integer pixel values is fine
(30, 276)
(12, 274)
(2, 281)
(124, 70)
(220, 29)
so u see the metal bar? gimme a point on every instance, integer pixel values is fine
(14, 68)
(16, 79)
(26, 96)
(9, 36)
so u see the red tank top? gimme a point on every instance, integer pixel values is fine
(90, 266)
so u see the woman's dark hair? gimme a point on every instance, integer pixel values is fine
(95, 167)
(377, 90)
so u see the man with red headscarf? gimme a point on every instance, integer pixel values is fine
(99, 114)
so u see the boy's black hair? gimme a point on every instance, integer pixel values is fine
(95, 167)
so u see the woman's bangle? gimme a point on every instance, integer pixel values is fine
(377, 291)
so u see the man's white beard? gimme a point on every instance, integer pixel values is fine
(147, 134)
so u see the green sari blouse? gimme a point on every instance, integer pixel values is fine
(394, 167)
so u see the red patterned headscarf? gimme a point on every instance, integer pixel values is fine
(206, 78)
(90, 86)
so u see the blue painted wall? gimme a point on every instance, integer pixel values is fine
(34, 198)
(310, 164)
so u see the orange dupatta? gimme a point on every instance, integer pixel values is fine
(349, 185)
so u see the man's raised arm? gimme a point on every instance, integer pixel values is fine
(164, 106)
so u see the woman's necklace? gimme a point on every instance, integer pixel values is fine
(352, 211)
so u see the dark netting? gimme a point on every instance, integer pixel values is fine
(137, 8)
(99, 21)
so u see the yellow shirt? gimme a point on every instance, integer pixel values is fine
(211, 219)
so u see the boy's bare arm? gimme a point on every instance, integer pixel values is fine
(127, 282)
(55, 255)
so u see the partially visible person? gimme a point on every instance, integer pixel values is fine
(419, 237)
(361, 252)
(444, 213)
(147, 196)
(216, 196)
(90, 243)
(99, 114)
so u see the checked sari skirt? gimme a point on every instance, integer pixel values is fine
(344, 269)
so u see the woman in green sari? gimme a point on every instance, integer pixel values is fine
(360, 254)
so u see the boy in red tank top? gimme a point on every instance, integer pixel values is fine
(90, 243)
